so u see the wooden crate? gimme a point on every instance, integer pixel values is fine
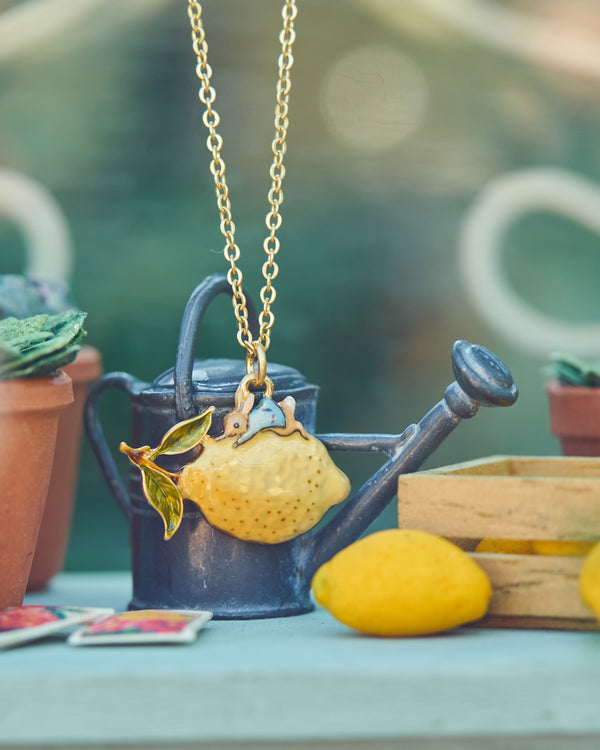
(512, 497)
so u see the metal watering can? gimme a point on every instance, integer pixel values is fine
(204, 568)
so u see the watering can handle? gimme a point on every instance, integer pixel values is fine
(123, 382)
(201, 297)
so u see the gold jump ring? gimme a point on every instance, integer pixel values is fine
(250, 379)
(259, 356)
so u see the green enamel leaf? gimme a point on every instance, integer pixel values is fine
(164, 496)
(185, 435)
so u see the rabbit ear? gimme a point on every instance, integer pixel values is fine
(289, 402)
(247, 404)
(242, 397)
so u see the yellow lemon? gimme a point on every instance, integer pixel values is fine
(566, 549)
(506, 546)
(534, 547)
(401, 583)
(589, 581)
(269, 489)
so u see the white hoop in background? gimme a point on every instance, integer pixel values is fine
(499, 205)
(36, 213)
(24, 26)
(541, 40)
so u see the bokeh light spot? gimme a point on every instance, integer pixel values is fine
(373, 98)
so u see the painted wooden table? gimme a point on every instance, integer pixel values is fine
(300, 682)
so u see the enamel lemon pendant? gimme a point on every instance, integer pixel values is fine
(265, 479)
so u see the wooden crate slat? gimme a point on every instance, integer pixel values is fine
(582, 467)
(534, 585)
(505, 507)
(573, 467)
(535, 623)
(490, 466)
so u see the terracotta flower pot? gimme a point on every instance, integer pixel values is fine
(575, 418)
(29, 414)
(54, 533)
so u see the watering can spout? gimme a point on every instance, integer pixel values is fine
(482, 379)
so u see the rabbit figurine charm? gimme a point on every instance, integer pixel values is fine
(244, 422)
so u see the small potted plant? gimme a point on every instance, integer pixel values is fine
(33, 391)
(20, 297)
(574, 400)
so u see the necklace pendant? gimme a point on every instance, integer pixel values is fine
(265, 479)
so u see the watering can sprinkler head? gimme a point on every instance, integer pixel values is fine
(482, 379)
(482, 375)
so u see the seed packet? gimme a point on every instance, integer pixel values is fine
(143, 626)
(30, 622)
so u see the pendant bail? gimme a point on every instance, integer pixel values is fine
(258, 356)
(243, 389)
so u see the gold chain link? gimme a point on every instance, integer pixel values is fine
(214, 143)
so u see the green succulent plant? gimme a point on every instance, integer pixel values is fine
(38, 345)
(22, 296)
(571, 371)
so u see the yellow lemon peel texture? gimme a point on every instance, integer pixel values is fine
(535, 547)
(402, 583)
(589, 580)
(506, 546)
(269, 489)
(566, 549)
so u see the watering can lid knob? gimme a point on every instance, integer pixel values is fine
(483, 375)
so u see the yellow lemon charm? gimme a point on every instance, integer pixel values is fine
(264, 480)
(402, 583)
(269, 489)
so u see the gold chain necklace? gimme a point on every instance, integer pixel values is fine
(265, 479)
(255, 349)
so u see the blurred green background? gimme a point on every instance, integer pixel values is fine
(400, 118)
